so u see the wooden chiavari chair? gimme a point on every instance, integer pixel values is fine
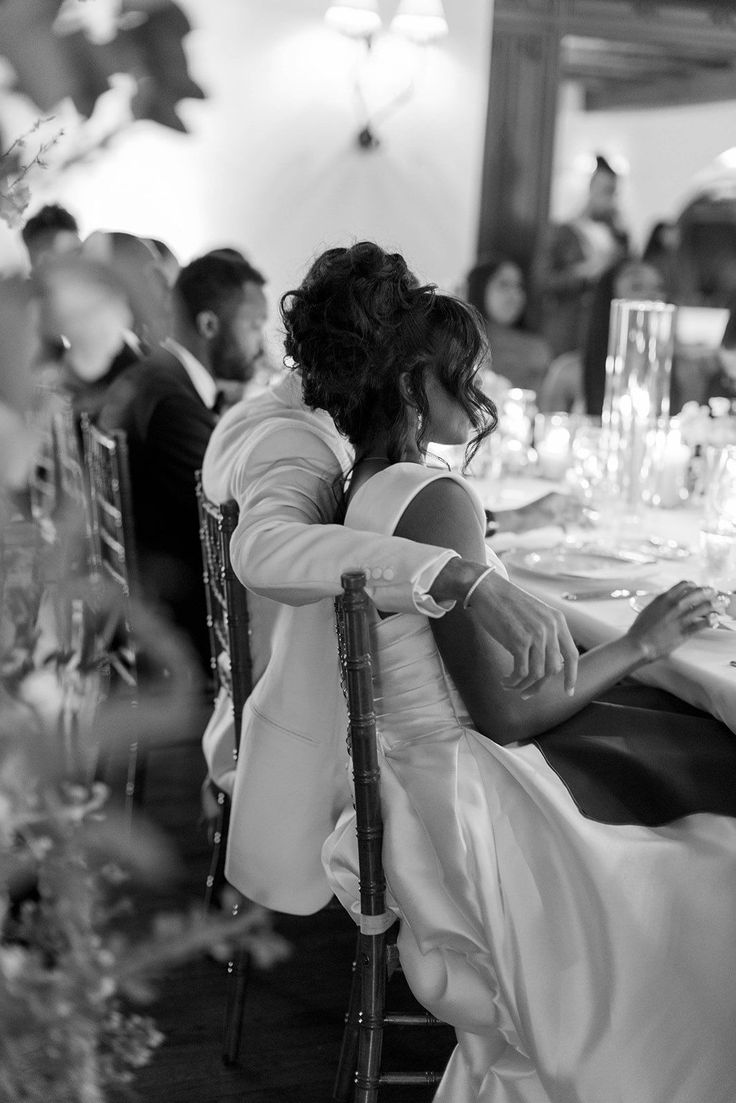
(376, 958)
(68, 447)
(227, 620)
(114, 563)
(43, 484)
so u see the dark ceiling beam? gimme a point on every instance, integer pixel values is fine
(669, 24)
(689, 88)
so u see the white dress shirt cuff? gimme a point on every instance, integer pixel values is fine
(422, 600)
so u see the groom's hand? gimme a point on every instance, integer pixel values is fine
(535, 635)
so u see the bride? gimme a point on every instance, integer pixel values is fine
(567, 901)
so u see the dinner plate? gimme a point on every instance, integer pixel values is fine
(592, 564)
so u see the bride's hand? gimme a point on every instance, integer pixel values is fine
(671, 618)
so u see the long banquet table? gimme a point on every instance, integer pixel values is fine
(701, 670)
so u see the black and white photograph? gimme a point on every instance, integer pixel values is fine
(367, 551)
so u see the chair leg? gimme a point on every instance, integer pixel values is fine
(238, 970)
(347, 1062)
(372, 964)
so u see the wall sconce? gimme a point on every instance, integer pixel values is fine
(355, 18)
(419, 21)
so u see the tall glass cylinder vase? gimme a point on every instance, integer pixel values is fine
(636, 405)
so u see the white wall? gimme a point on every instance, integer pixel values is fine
(271, 165)
(662, 152)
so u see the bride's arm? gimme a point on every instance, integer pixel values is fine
(443, 514)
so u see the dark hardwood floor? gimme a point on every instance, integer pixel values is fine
(294, 1011)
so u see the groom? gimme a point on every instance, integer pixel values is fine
(281, 462)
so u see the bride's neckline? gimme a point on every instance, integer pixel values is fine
(386, 470)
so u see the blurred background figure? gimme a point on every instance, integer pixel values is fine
(720, 370)
(146, 273)
(101, 309)
(167, 405)
(85, 307)
(168, 261)
(497, 289)
(50, 233)
(628, 279)
(576, 380)
(576, 255)
(662, 250)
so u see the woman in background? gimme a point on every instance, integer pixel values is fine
(577, 943)
(496, 288)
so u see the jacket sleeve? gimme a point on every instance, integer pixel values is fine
(286, 546)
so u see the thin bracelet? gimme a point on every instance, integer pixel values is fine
(476, 584)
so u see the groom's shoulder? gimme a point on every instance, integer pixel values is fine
(259, 434)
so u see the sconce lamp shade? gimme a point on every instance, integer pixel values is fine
(358, 18)
(420, 20)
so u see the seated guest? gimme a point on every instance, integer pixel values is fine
(165, 404)
(497, 289)
(51, 232)
(720, 370)
(85, 305)
(231, 391)
(140, 265)
(662, 251)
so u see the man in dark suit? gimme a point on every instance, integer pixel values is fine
(166, 406)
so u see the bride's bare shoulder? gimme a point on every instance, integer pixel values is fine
(444, 513)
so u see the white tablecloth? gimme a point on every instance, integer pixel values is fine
(700, 670)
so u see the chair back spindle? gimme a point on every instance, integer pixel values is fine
(230, 661)
(227, 605)
(114, 562)
(111, 501)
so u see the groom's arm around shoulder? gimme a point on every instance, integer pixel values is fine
(287, 482)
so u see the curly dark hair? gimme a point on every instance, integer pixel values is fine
(359, 321)
(51, 219)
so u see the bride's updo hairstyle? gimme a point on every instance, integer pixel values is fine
(357, 323)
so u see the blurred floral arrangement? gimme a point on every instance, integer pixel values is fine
(97, 66)
(15, 192)
(70, 969)
(76, 957)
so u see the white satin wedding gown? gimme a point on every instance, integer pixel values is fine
(579, 962)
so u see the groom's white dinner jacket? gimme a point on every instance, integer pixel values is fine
(282, 463)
